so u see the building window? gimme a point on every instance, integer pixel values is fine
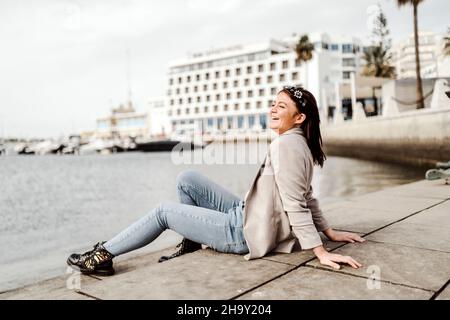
(199, 99)
(186, 111)
(260, 68)
(263, 121)
(189, 100)
(261, 92)
(186, 90)
(247, 105)
(171, 102)
(249, 93)
(236, 106)
(272, 66)
(225, 107)
(188, 78)
(348, 62)
(206, 109)
(217, 74)
(235, 83)
(251, 121)
(346, 75)
(210, 122)
(225, 84)
(178, 112)
(180, 101)
(246, 82)
(217, 97)
(282, 77)
(257, 80)
(229, 122)
(238, 71)
(205, 87)
(334, 47)
(240, 122)
(273, 90)
(171, 81)
(207, 76)
(285, 64)
(208, 97)
(197, 77)
(258, 104)
(216, 108)
(179, 80)
(269, 79)
(249, 69)
(269, 103)
(214, 86)
(238, 95)
(227, 73)
(219, 123)
(195, 88)
(228, 95)
(177, 90)
(298, 62)
(294, 75)
(197, 109)
(347, 48)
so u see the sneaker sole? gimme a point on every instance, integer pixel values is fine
(99, 272)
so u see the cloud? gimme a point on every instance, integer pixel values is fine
(64, 60)
(208, 6)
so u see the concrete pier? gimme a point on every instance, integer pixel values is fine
(406, 256)
(418, 137)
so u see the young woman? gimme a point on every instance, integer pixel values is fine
(278, 213)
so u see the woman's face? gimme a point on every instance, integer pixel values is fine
(283, 114)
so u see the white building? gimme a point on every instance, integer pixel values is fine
(433, 63)
(123, 122)
(159, 120)
(231, 89)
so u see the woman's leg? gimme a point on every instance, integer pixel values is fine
(218, 230)
(197, 190)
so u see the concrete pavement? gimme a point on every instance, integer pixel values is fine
(406, 256)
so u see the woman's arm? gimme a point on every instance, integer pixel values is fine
(313, 205)
(333, 259)
(289, 163)
(342, 236)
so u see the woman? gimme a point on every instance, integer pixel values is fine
(278, 212)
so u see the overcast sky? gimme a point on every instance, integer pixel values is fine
(63, 62)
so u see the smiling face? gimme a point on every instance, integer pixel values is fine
(284, 114)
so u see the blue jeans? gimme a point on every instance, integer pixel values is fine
(208, 214)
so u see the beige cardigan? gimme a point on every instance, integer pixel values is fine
(280, 210)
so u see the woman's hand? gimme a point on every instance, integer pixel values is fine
(341, 236)
(333, 259)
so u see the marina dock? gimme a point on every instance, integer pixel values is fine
(406, 255)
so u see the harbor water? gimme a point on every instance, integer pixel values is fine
(51, 206)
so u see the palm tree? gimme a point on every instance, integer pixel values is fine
(415, 4)
(304, 50)
(378, 63)
(378, 57)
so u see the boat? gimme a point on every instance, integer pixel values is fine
(164, 145)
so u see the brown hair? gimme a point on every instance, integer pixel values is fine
(311, 126)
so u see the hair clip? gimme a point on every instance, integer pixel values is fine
(296, 93)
